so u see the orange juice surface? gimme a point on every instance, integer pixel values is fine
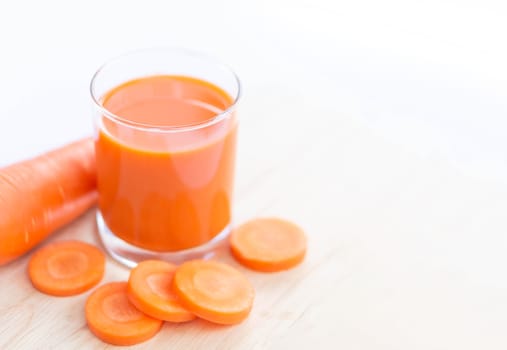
(165, 182)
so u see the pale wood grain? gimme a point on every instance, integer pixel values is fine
(393, 240)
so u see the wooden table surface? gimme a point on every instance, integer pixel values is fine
(394, 241)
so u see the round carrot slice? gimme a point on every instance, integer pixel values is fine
(214, 291)
(114, 320)
(268, 244)
(150, 290)
(66, 268)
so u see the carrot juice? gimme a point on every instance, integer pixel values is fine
(165, 161)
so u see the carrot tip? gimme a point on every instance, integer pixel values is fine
(42, 194)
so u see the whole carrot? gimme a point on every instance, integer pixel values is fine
(42, 194)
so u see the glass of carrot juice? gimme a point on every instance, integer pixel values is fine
(165, 143)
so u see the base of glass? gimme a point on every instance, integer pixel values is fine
(129, 255)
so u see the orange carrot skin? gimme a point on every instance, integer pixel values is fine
(42, 194)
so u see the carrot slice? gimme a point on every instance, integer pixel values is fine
(66, 268)
(40, 195)
(214, 291)
(150, 290)
(268, 244)
(114, 320)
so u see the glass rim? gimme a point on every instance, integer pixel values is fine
(170, 128)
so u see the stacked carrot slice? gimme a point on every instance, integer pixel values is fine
(127, 313)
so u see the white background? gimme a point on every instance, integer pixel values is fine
(430, 74)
